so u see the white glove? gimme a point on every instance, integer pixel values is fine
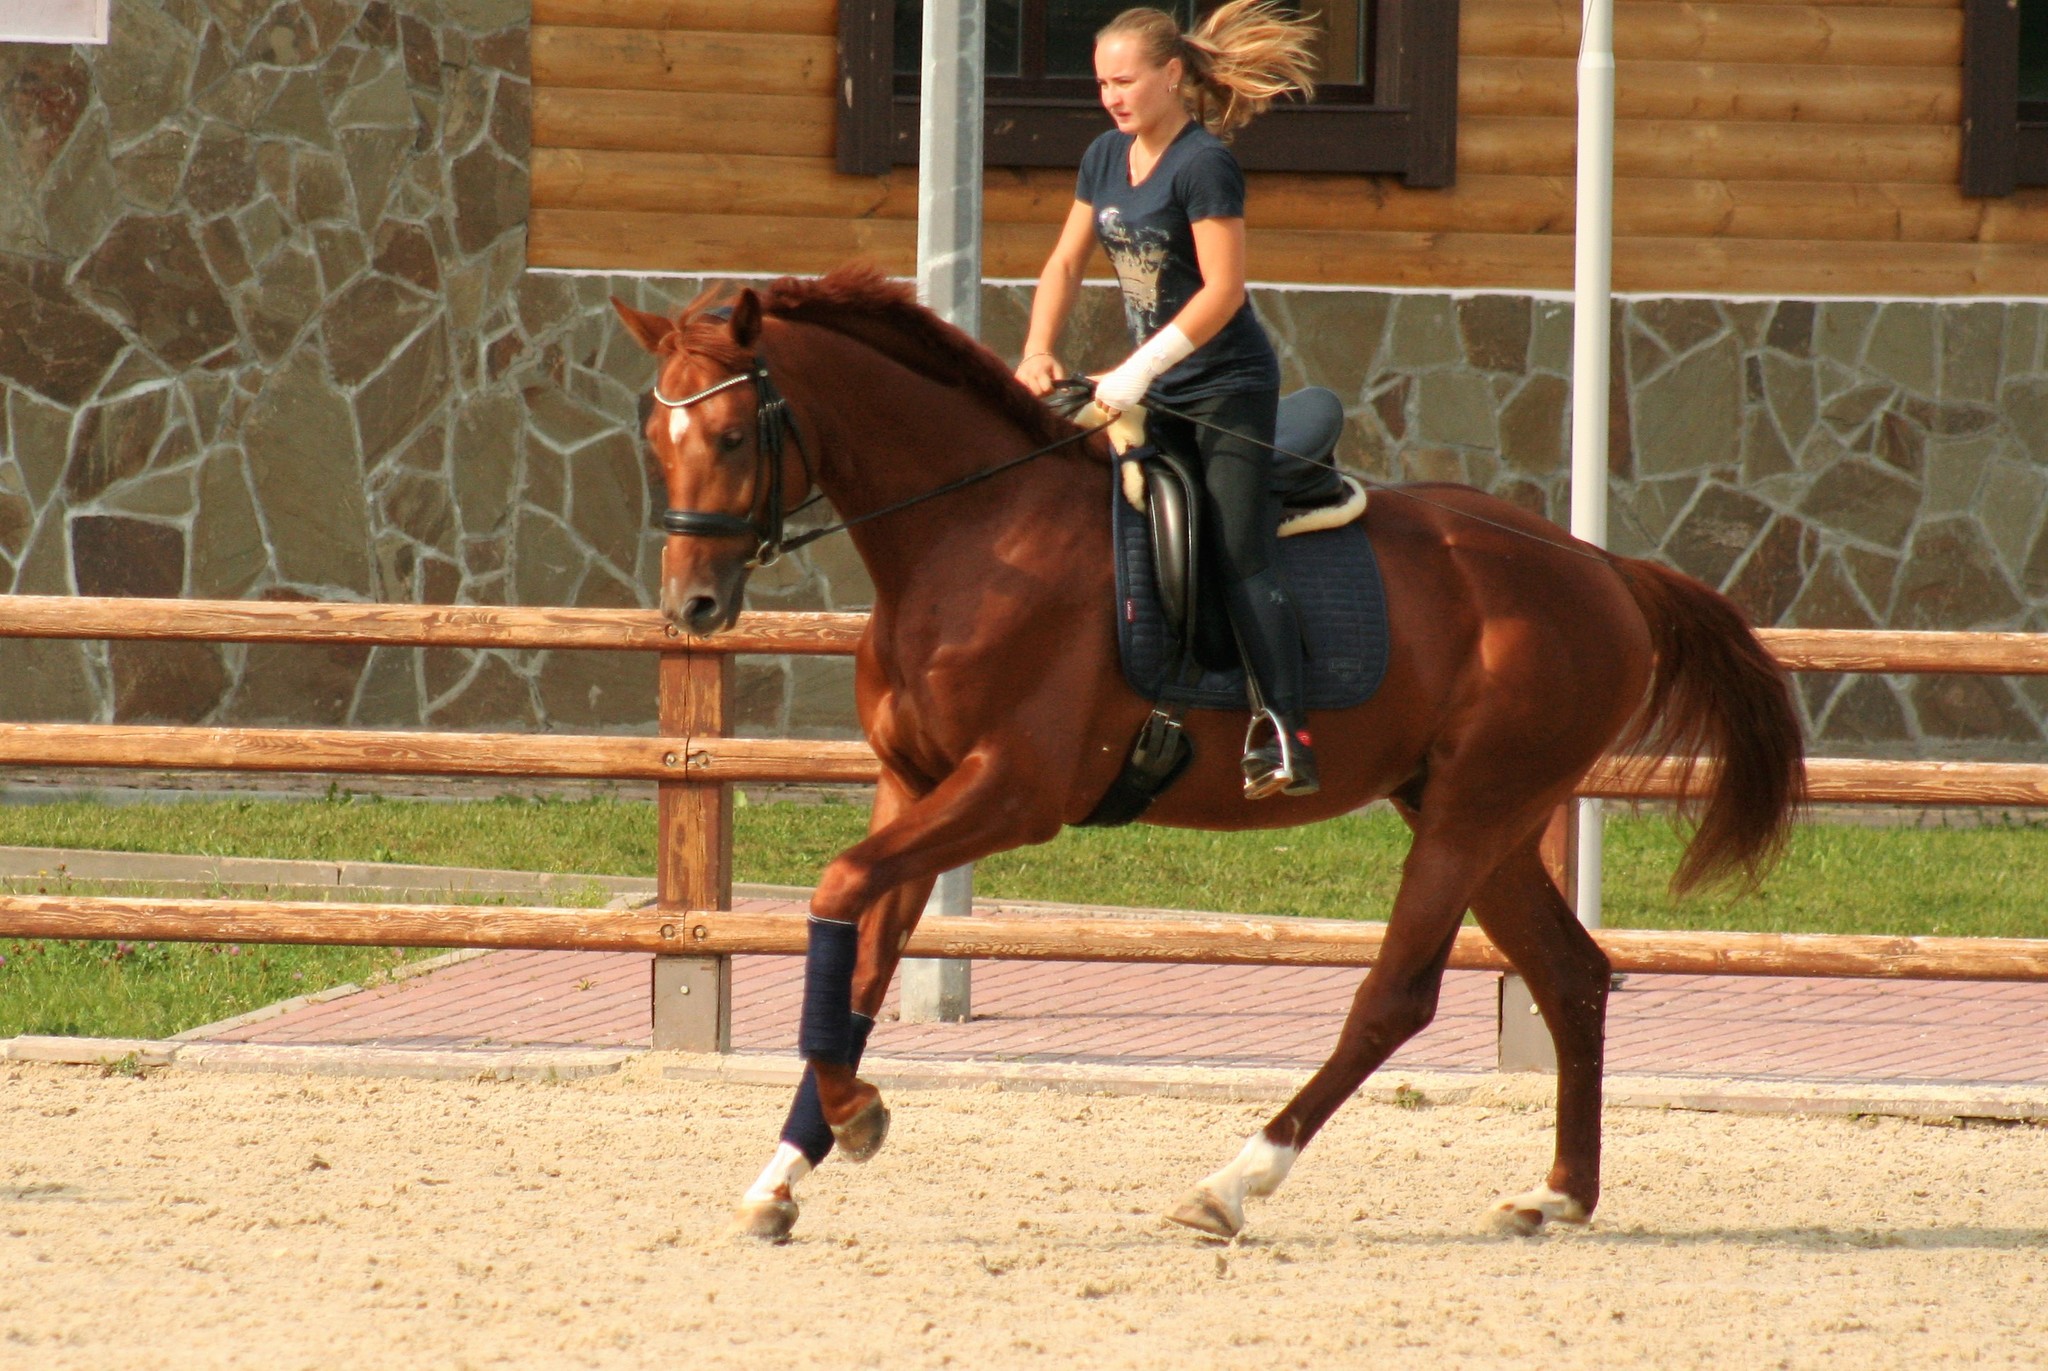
(1125, 387)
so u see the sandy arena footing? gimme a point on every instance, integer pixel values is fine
(203, 1219)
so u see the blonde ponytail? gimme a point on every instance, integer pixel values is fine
(1240, 59)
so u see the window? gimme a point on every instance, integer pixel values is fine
(53, 21)
(1385, 102)
(2005, 95)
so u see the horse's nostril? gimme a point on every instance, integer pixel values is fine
(700, 612)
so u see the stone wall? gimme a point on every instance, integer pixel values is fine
(266, 330)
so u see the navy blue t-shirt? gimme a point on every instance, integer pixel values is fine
(1146, 230)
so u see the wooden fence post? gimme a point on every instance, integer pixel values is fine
(1523, 1043)
(692, 996)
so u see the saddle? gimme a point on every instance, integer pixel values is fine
(1173, 633)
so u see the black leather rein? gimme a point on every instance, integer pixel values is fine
(772, 424)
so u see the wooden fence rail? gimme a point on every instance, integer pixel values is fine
(767, 761)
(1189, 941)
(536, 629)
(692, 929)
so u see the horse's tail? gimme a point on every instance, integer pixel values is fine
(1719, 696)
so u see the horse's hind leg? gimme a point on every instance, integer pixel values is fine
(1521, 911)
(1397, 1000)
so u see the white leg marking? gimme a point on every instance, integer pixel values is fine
(784, 1170)
(1218, 1201)
(1527, 1213)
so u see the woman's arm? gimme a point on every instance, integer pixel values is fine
(1058, 287)
(1219, 252)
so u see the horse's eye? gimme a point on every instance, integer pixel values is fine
(730, 440)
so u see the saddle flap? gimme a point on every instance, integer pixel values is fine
(1170, 505)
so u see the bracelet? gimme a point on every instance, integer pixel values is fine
(1029, 356)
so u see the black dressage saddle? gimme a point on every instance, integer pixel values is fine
(1173, 634)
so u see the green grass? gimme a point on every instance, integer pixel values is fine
(1835, 879)
(153, 990)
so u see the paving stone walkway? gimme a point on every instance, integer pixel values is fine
(1764, 1027)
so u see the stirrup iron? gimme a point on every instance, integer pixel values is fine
(1262, 777)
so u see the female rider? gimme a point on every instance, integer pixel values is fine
(1164, 196)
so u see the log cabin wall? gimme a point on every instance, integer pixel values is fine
(1761, 149)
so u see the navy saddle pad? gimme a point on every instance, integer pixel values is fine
(1335, 581)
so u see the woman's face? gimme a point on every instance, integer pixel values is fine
(1139, 95)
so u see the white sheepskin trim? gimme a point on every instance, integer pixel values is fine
(1134, 485)
(1126, 431)
(1324, 516)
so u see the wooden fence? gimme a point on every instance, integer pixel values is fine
(692, 928)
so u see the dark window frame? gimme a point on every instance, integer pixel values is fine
(1410, 131)
(2005, 145)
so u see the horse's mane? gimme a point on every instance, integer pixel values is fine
(866, 306)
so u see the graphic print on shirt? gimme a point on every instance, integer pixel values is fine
(1138, 254)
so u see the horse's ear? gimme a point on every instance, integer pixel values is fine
(746, 318)
(647, 329)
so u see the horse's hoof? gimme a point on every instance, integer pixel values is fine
(1525, 1216)
(861, 1136)
(1200, 1209)
(768, 1220)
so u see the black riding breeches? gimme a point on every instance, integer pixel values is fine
(1240, 521)
(1241, 512)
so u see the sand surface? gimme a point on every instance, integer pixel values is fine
(186, 1219)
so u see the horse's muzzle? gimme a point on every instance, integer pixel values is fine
(701, 605)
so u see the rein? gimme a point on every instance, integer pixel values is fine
(773, 423)
(764, 522)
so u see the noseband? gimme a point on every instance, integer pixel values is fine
(772, 422)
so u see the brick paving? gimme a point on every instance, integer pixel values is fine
(1902, 1032)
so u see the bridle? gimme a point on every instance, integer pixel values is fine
(764, 521)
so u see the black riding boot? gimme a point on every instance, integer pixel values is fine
(1277, 756)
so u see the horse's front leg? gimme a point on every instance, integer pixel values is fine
(769, 1208)
(866, 906)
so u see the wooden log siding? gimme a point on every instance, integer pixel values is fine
(1211, 942)
(1808, 148)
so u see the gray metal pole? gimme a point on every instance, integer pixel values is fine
(949, 162)
(949, 280)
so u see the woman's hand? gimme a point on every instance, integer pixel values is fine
(1040, 371)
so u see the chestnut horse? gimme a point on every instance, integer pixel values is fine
(989, 686)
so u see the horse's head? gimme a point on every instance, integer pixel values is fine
(716, 428)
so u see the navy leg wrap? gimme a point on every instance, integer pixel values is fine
(805, 1129)
(825, 1033)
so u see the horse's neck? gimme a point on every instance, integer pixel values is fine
(886, 435)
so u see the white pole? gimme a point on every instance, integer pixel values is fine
(948, 280)
(1592, 291)
(949, 162)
